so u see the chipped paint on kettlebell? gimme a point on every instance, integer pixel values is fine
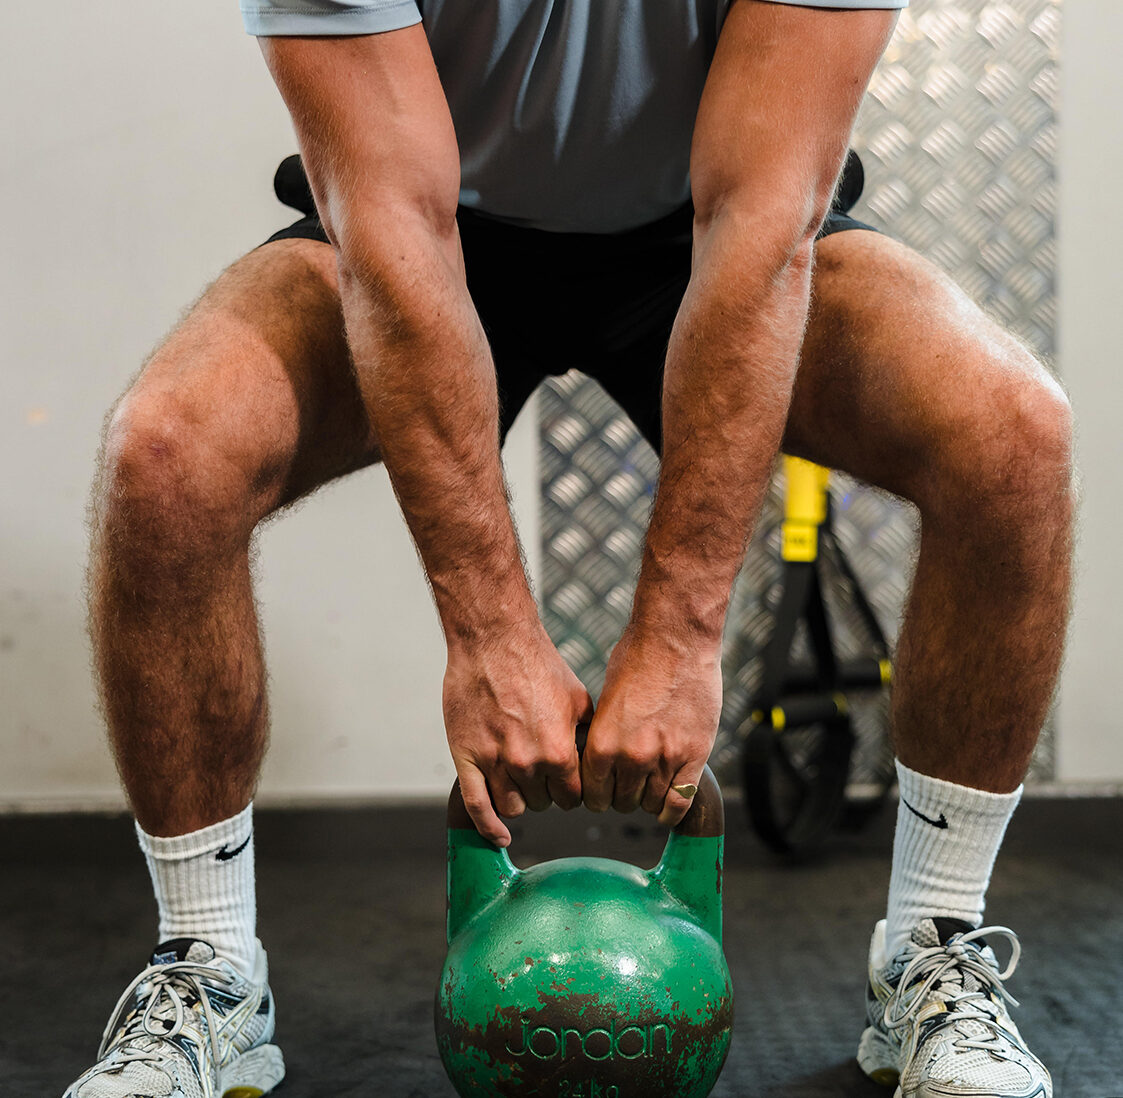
(585, 976)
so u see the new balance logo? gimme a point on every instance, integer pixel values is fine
(225, 855)
(941, 823)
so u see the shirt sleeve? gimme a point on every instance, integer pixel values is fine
(326, 17)
(884, 5)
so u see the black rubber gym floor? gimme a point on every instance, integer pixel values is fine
(352, 913)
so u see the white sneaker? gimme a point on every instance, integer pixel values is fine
(189, 1026)
(937, 1019)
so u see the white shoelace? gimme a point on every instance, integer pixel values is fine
(950, 964)
(165, 1008)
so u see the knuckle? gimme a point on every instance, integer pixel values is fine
(559, 760)
(519, 761)
(478, 806)
(483, 756)
(635, 758)
(597, 762)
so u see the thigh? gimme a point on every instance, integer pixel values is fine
(257, 380)
(902, 378)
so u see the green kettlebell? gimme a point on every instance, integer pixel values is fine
(586, 977)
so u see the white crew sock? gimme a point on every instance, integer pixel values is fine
(947, 838)
(204, 886)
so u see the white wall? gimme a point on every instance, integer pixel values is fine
(139, 141)
(1090, 327)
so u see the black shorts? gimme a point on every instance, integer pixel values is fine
(550, 302)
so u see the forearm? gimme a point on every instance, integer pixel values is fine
(729, 374)
(380, 151)
(429, 384)
(769, 140)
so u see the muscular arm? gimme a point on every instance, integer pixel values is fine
(769, 141)
(381, 154)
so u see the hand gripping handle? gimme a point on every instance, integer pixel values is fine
(705, 819)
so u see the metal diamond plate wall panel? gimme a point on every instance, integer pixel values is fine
(957, 135)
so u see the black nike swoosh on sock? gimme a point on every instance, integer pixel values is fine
(941, 823)
(225, 855)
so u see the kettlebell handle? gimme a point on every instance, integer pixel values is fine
(705, 819)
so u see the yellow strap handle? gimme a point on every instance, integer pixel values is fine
(805, 508)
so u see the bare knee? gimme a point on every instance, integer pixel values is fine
(172, 485)
(1003, 454)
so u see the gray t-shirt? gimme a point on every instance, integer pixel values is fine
(571, 115)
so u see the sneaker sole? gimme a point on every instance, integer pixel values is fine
(254, 1073)
(878, 1059)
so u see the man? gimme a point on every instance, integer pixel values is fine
(503, 192)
